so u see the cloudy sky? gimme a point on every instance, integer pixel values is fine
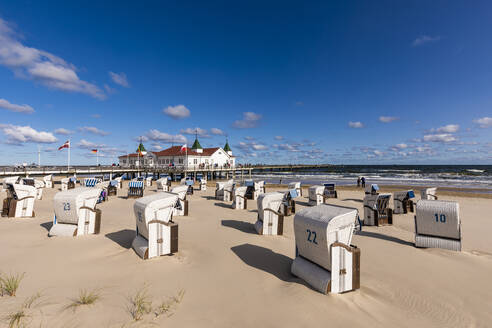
(369, 82)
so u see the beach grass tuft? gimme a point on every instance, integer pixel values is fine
(18, 318)
(140, 304)
(10, 283)
(168, 307)
(85, 298)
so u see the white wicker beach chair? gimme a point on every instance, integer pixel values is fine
(329, 191)
(315, 194)
(9, 180)
(19, 202)
(203, 184)
(376, 210)
(288, 203)
(325, 259)
(120, 183)
(270, 220)
(76, 213)
(48, 181)
(438, 224)
(163, 184)
(297, 186)
(182, 207)
(402, 202)
(428, 194)
(148, 181)
(240, 201)
(39, 185)
(156, 234)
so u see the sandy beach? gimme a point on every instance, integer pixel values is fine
(232, 277)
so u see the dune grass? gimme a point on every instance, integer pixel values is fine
(168, 307)
(18, 318)
(85, 297)
(10, 283)
(140, 304)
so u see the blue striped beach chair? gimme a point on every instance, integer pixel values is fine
(135, 189)
(91, 182)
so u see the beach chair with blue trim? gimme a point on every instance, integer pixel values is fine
(297, 186)
(76, 213)
(135, 189)
(376, 207)
(402, 202)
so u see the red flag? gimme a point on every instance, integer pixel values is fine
(183, 148)
(65, 145)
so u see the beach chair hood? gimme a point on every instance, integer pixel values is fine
(316, 228)
(154, 207)
(67, 204)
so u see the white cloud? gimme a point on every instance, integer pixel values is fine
(388, 119)
(259, 147)
(450, 128)
(96, 116)
(156, 135)
(484, 122)
(401, 146)
(15, 108)
(378, 153)
(177, 112)
(22, 134)
(279, 138)
(443, 137)
(93, 130)
(63, 131)
(421, 40)
(217, 132)
(250, 120)
(89, 145)
(355, 125)
(201, 132)
(41, 66)
(119, 79)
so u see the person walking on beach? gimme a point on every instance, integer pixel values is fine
(363, 180)
(358, 182)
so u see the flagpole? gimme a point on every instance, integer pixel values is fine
(97, 158)
(68, 161)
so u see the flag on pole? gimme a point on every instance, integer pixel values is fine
(184, 148)
(65, 145)
(94, 151)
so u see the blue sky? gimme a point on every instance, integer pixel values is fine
(376, 82)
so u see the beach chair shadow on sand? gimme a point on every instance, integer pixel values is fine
(223, 205)
(47, 225)
(384, 237)
(124, 237)
(266, 260)
(240, 225)
(353, 200)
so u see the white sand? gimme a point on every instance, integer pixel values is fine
(236, 278)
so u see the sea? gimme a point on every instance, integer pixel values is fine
(476, 178)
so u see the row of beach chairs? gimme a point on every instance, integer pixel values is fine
(325, 257)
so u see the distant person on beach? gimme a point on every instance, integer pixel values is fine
(363, 180)
(358, 182)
